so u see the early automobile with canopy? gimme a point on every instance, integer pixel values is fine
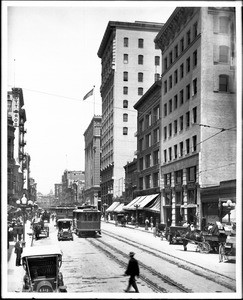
(64, 229)
(42, 269)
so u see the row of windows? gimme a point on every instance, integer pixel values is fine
(125, 90)
(179, 124)
(146, 142)
(191, 173)
(168, 107)
(149, 181)
(140, 43)
(179, 74)
(147, 162)
(147, 121)
(140, 76)
(141, 59)
(179, 151)
(180, 47)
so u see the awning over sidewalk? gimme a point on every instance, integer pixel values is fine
(130, 206)
(155, 206)
(113, 206)
(142, 201)
(119, 208)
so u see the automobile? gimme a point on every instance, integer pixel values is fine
(64, 229)
(42, 269)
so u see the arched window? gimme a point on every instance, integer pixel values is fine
(125, 104)
(125, 76)
(140, 59)
(140, 77)
(223, 83)
(125, 130)
(125, 42)
(125, 58)
(125, 90)
(223, 54)
(125, 117)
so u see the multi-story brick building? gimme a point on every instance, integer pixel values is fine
(18, 167)
(92, 162)
(130, 64)
(148, 149)
(198, 110)
(72, 187)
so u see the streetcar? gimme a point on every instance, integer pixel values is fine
(63, 212)
(86, 220)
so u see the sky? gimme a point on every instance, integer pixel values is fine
(51, 53)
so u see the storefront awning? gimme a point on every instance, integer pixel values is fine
(119, 208)
(142, 201)
(130, 205)
(155, 206)
(113, 206)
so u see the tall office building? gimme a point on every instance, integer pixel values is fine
(131, 63)
(198, 111)
(92, 161)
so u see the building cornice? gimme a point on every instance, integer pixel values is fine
(137, 25)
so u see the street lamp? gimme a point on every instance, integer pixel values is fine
(136, 206)
(23, 203)
(229, 205)
(105, 206)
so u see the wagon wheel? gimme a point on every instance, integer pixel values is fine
(204, 247)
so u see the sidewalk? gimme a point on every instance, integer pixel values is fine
(15, 274)
(205, 260)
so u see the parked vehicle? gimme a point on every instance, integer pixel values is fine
(42, 269)
(175, 234)
(64, 229)
(86, 220)
(121, 220)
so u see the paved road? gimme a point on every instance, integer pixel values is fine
(12, 282)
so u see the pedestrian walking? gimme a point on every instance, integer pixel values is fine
(18, 250)
(133, 271)
(222, 255)
(151, 223)
(146, 224)
(154, 231)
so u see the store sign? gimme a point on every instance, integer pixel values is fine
(15, 111)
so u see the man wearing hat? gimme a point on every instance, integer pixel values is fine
(132, 270)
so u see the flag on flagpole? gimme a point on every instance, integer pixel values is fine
(90, 93)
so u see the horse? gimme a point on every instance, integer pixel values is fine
(194, 235)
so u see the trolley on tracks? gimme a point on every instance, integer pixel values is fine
(63, 212)
(86, 220)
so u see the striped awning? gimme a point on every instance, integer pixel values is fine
(119, 208)
(155, 206)
(141, 201)
(113, 206)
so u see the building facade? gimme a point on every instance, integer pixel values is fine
(198, 111)
(131, 62)
(18, 166)
(92, 162)
(72, 188)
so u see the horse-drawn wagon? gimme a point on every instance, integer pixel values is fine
(40, 228)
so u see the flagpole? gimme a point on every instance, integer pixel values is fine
(94, 99)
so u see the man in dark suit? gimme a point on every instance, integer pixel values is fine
(133, 271)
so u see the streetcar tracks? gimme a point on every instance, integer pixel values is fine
(214, 276)
(121, 258)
